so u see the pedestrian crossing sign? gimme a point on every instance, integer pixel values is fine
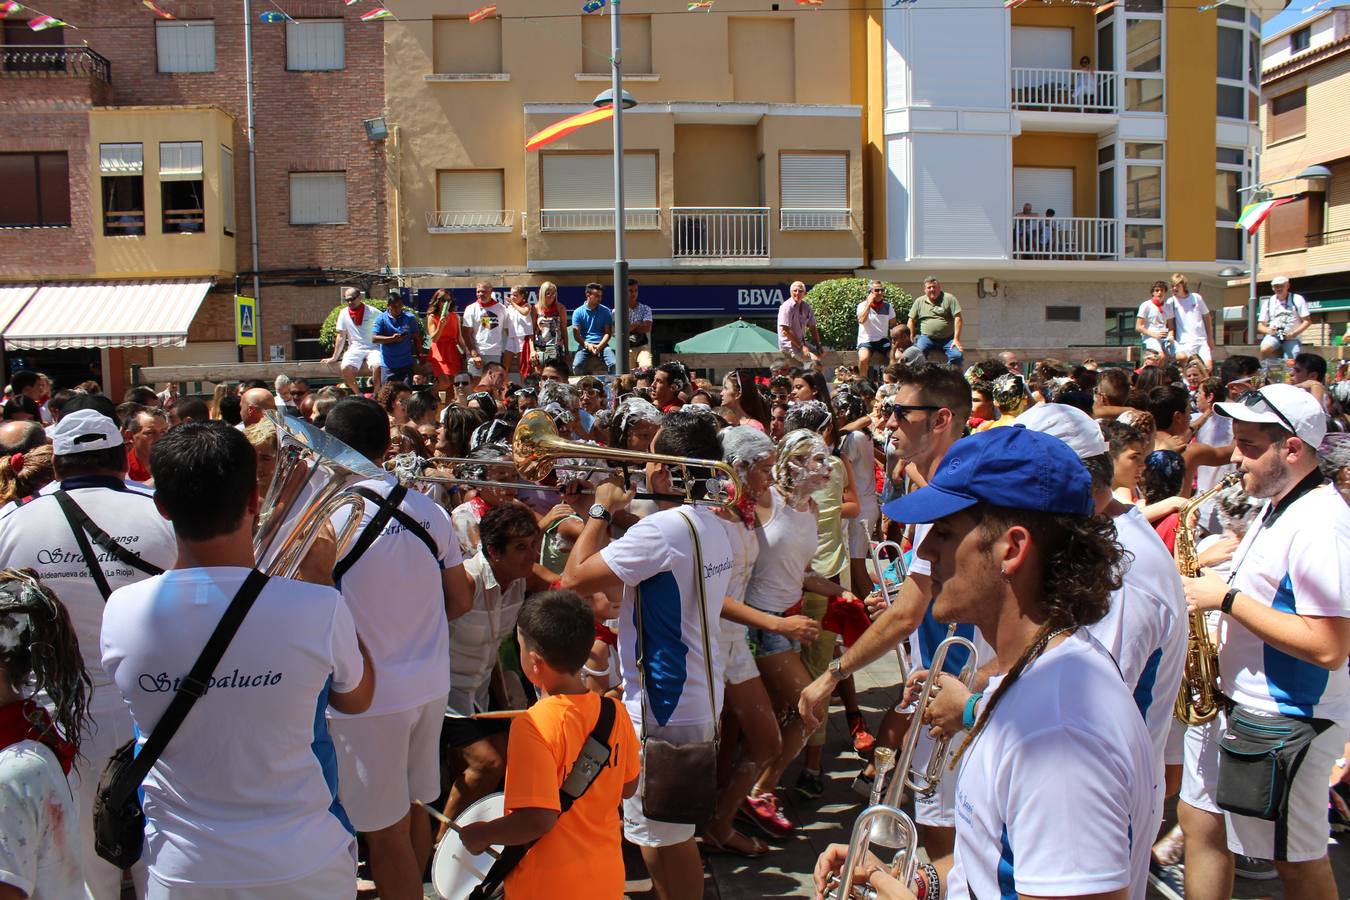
(245, 319)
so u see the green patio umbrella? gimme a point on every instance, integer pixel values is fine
(736, 337)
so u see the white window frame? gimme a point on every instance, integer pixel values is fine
(1240, 169)
(1249, 90)
(180, 161)
(1126, 163)
(1122, 60)
(301, 182)
(800, 212)
(478, 216)
(121, 159)
(227, 189)
(182, 30)
(301, 43)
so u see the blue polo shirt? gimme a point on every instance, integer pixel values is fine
(397, 355)
(592, 323)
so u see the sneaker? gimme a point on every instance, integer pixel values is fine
(1254, 869)
(1170, 881)
(863, 741)
(810, 785)
(763, 812)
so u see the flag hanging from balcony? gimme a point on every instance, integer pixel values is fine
(562, 129)
(479, 15)
(9, 6)
(162, 13)
(378, 12)
(1253, 214)
(42, 23)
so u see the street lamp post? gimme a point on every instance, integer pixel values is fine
(621, 100)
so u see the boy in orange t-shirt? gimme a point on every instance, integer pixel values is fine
(577, 854)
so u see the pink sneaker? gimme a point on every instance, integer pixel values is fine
(763, 812)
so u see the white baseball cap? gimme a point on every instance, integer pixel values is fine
(1292, 408)
(84, 430)
(1068, 423)
(1279, 279)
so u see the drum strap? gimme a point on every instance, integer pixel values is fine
(594, 756)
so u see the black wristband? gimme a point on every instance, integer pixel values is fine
(1227, 605)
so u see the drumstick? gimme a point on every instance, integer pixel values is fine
(450, 823)
(500, 714)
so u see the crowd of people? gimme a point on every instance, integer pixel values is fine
(641, 650)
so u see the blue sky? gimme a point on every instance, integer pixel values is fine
(1292, 16)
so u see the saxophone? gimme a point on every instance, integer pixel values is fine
(1198, 699)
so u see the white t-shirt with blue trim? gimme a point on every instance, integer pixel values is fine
(656, 556)
(246, 792)
(1297, 563)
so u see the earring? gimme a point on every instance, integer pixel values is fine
(1004, 574)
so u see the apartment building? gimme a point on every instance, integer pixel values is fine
(125, 219)
(1134, 121)
(1305, 82)
(743, 157)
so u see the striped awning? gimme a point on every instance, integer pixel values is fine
(107, 314)
(12, 299)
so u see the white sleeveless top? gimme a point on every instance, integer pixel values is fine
(786, 544)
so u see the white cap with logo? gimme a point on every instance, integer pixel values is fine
(1068, 423)
(84, 430)
(1292, 408)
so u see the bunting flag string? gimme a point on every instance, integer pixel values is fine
(703, 5)
(559, 130)
(376, 14)
(479, 15)
(591, 6)
(42, 23)
(162, 13)
(10, 6)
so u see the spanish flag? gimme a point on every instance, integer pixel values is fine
(562, 129)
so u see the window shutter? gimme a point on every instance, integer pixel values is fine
(186, 45)
(318, 198)
(1044, 189)
(1287, 227)
(1288, 114)
(314, 45)
(814, 180)
(470, 191)
(586, 181)
(180, 161)
(120, 159)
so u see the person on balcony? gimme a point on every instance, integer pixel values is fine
(1085, 83)
(593, 327)
(936, 323)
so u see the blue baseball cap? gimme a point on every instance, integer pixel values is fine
(1012, 467)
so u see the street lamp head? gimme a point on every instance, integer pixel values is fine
(606, 98)
(1232, 272)
(1315, 172)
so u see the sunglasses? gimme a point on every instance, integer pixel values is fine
(461, 382)
(1258, 400)
(902, 411)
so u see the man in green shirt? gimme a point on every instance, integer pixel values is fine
(935, 321)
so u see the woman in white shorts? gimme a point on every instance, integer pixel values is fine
(856, 449)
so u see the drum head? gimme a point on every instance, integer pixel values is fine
(454, 871)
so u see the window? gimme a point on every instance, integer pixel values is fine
(180, 188)
(186, 45)
(578, 191)
(1230, 172)
(16, 35)
(121, 168)
(318, 198)
(1288, 115)
(1289, 225)
(1120, 326)
(34, 190)
(814, 191)
(1143, 45)
(1144, 87)
(1143, 200)
(459, 48)
(471, 200)
(314, 45)
(305, 343)
(1300, 40)
(634, 31)
(227, 189)
(1237, 66)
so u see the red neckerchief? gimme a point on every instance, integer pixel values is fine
(479, 506)
(491, 301)
(1158, 303)
(357, 314)
(17, 724)
(878, 304)
(136, 471)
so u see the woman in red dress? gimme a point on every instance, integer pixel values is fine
(447, 345)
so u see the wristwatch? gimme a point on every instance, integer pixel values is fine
(1227, 605)
(598, 511)
(836, 669)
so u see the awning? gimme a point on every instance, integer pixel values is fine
(1332, 305)
(107, 314)
(12, 299)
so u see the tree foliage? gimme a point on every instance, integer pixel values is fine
(835, 303)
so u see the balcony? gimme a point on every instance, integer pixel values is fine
(1065, 90)
(472, 221)
(634, 219)
(815, 219)
(701, 232)
(36, 73)
(1069, 238)
(55, 59)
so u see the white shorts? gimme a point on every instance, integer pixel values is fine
(1200, 777)
(860, 534)
(939, 810)
(1155, 344)
(1196, 348)
(478, 370)
(639, 829)
(335, 881)
(386, 763)
(354, 357)
(1174, 751)
(515, 343)
(737, 660)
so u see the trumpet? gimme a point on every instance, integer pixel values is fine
(901, 656)
(1198, 699)
(903, 864)
(536, 446)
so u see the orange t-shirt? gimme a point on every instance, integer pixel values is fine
(580, 857)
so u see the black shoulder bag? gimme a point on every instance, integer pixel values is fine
(590, 763)
(84, 528)
(388, 508)
(119, 821)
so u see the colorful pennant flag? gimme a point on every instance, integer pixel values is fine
(562, 129)
(1012, 4)
(1316, 6)
(351, 2)
(42, 23)
(1253, 214)
(378, 12)
(479, 15)
(271, 17)
(810, 2)
(162, 13)
(704, 5)
(593, 6)
(9, 6)
(1103, 7)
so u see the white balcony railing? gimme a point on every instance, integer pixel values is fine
(634, 219)
(1065, 90)
(1067, 238)
(790, 219)
(729, 232)
(445, 221)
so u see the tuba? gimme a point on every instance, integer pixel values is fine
(310, 485)
(1198, 698)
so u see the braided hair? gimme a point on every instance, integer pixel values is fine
(39, 650)
(1081, 566)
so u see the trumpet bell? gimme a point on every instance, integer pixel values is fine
(532, 442)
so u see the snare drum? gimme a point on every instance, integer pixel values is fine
(454, 871)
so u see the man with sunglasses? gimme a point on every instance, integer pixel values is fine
(1284, 641)
(876, 318)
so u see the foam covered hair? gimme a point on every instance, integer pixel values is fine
(744, 447)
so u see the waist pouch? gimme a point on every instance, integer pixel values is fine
(1259, 755)
(674, 781)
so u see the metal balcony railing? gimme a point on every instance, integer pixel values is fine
(733, 232)
(1068, 238)
(443, 221)
(1065, 90)
(803, 219)
(634, 219)
(54, 59)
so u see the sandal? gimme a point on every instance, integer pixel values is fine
(757, 847)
